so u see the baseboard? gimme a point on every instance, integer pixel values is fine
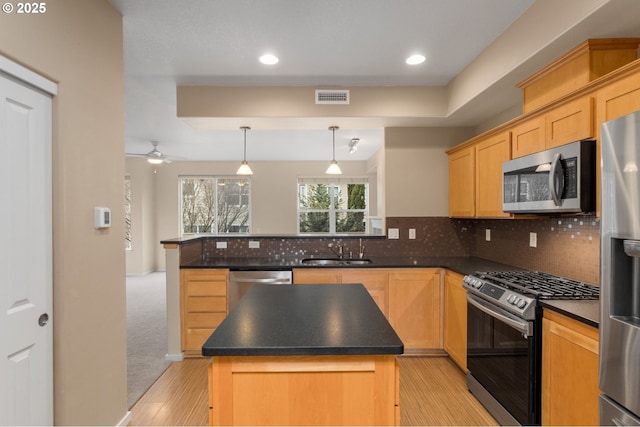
(424, 352)
(125, 420)
(174, 357)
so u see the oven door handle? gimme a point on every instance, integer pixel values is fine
(524, 327)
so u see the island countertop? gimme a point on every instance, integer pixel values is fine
(304, 320)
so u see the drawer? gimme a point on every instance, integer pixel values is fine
(206, 274)
(204, 320)
(197, 304)
(206, 288)
(194, 338)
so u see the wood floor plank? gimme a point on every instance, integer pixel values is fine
(433, 391)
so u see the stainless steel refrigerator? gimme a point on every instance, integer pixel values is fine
(620, 272)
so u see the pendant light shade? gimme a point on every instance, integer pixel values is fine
(334, 169)
(244, 168)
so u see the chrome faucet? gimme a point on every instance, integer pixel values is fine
(360, 249)
(339, 251)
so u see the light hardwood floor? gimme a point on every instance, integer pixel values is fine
(433, 391)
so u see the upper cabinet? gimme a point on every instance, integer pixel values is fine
(620, 97)
(528, 137)
(462, 182)
(565, 102)
(569, 122)
(475, 177)
(490, 154)
(565, 123)
(588, 61)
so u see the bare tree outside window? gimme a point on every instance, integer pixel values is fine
(215, 205)
(127, 213)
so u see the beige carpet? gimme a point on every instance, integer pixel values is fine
(146, 332)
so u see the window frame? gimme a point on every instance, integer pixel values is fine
(214, 226)
(333, 183)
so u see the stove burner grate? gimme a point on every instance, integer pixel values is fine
(543, 285)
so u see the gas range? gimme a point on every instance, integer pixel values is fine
(519, 291)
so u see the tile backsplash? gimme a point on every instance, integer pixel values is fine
(566, 246)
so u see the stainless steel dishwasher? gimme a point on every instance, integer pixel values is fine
(241, 281)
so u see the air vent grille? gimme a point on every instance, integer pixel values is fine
(332, 96)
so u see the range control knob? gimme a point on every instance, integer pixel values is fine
(511, 299)
(521, 303)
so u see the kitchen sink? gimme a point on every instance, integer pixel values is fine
(335, 261)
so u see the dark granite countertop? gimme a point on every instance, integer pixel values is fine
(304, 320)
(461, 265)
(585, 311)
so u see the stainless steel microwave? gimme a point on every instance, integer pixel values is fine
(558, 180)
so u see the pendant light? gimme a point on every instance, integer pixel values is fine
(244, 168)
(334, 169)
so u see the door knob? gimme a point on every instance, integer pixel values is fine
(43, 319)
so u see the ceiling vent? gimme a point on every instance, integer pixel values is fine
(332, 96)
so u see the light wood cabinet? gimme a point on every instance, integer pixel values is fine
(414, 307)
(376, 282)
(462, 183)
(455, 319)
(569, 371)
(203, 303)
(317, 275)
(475, 177)
(586, 62)
(617, 99)
(490, 154)
(304, 390)
(565, 123)
(410, 298)
(528, 137)
(374, 279)
(569, 122)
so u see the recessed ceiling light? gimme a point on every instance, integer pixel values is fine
(415, 59)
(269, 59)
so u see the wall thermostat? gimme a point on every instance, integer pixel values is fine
(102, 218)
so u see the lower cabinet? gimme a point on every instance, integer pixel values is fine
(408, 297)
(569, 371)
(203, 303)
(414, 307)
(374, 279)
(455, 319)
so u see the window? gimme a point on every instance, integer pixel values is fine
(215, 205)
(333, 205)
(127, 213)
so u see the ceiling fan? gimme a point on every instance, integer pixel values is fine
(154, 156)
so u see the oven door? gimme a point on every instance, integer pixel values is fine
(503, 362)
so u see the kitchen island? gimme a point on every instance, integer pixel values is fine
(304, 355)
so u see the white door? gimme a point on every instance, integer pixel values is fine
(26, 368)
